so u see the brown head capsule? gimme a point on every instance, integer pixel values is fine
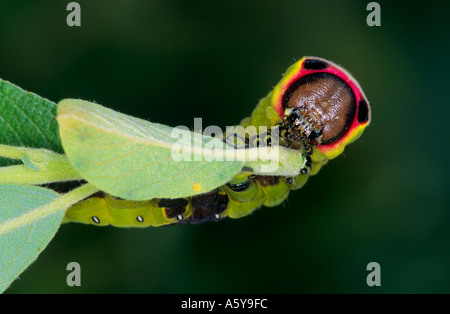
(320, 105)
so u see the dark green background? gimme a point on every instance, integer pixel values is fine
(384, 200)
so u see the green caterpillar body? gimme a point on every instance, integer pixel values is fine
(238, 198)
(319, 109)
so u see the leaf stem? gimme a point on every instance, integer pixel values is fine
(15, 152)
(40, 166)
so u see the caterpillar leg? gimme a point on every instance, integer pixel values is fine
(275, 189)
(245, 196)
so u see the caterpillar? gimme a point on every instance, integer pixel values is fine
(318, 108)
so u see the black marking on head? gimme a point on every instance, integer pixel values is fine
(140, 219)
(95, 220)
(363, 111)
(314, 64)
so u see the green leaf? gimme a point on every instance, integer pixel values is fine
(132, 158)
(20, 247)
(27, 120)
(29, 219)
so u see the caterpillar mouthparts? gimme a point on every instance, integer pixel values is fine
(301, 129)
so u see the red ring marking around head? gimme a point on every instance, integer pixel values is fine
(355, 127)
